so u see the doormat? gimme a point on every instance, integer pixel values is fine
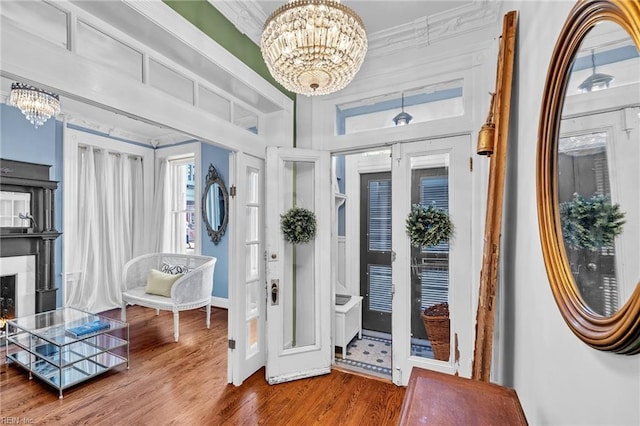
(369, 353)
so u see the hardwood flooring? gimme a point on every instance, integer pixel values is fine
(172, 383)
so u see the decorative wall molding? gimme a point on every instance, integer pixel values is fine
(170, 138)
(249, 17)
(430, 29)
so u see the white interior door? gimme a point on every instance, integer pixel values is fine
(247, 351)
(434, 171)
(298, 276)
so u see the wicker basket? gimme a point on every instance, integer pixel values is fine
(436, 324)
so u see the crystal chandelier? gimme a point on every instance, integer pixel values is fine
(37, 105)
(313, 47)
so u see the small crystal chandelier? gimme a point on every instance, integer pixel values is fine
(313, 47)
(403, 117)
(37, 105)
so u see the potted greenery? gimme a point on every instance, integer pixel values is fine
(590, 223)
(428, 226)
(298, 225)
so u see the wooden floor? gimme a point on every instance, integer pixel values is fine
(186, 383)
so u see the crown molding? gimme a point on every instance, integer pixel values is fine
(430, 29)
(109, 130)
(247, 15)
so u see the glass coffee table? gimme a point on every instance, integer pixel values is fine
(66, 346)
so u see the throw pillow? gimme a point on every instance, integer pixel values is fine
(160, 283)
(174, 269)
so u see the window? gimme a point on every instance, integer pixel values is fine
(183, 235)
(434, 102)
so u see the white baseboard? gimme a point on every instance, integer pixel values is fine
(219, 302)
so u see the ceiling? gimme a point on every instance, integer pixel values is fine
(378, 15)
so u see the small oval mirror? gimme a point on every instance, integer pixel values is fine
(215, 205)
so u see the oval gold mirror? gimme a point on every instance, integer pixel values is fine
(588, 180)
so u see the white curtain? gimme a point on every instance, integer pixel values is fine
(109, 232)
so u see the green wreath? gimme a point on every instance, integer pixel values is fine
(590, 223)
(298, 225)
(428, 226)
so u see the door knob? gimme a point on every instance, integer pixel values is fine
(274, 292)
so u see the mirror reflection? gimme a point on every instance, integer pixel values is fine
(597, 162)
(215, 205)
(15, 209)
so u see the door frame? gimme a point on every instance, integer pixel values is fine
(354, 168)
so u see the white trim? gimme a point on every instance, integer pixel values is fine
(180, 28)
(355, 166)
(247, 16)
(219, 302)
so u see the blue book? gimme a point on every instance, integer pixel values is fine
(88, 328)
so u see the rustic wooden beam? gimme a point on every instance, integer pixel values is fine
(489, 274)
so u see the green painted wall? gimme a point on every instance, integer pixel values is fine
(214, 24)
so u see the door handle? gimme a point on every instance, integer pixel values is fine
(275, 292)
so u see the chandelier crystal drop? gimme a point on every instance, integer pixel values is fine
(36, 104)
(313, 47)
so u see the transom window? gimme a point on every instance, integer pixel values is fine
(428, 103)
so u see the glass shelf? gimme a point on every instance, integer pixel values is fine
(61, 356)
(70, 375)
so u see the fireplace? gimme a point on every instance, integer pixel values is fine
(28, 234)
(7, 300)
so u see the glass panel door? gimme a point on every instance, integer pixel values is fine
(429, 265)
(298, 290)
(298, 268)
(247, 316)
(375, 258)
(434, 172)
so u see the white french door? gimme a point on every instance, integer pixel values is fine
(432, 172)
(247, 351)
(298, 275)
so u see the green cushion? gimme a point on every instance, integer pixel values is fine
(160, 283)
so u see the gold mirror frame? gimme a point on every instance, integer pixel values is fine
(620, 332)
